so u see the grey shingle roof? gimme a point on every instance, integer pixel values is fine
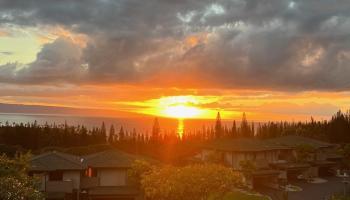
(294, 140)
(52, 161)
(253, 145)
(113, 158)
(110, 159)
(243, 145)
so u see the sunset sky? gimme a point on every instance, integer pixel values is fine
(273, 59)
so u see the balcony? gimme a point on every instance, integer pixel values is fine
(59, 186)
(89, 182)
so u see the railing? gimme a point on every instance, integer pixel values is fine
(59, 186)
(89, 182)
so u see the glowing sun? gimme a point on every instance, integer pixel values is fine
(181, 111)
(181, 107)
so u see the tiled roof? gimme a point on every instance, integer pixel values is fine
(51, 161)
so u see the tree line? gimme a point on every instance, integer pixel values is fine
(34, 136)
(162, 143)
(336, 130)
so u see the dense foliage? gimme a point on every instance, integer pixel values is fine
(247, 167)
(194, 182)
(33, 136)
(335, 130)
(139, 169)
(15, 184)
(340, 197)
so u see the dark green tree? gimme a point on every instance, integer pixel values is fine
(121, 134)
(218, 126)
(111, 135)
(234, 129)
(155, 129)
(103, 133)
(245, 130)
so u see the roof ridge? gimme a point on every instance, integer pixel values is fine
(77, 163)
(41, 155)
(60, 155)
(106, 151)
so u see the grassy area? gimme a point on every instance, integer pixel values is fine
(242, 196)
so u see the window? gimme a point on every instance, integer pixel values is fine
(56, 176)
(91, 172)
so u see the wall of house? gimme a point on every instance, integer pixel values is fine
(70, 180)
(112, 177)
(261, 159)
(205, 153)
(233, 159)
(236, 159)
(74, 176)
(228, 158)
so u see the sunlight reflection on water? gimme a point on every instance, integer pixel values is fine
(180, 128)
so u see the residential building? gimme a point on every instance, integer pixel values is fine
(97, 176)
(233, 151)
(273, 158)
(106, 176)
(59, 173)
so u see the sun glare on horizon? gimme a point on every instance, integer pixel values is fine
(181, 107)
(181, 111)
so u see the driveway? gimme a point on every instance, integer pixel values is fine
(318, 191)
(311, 191)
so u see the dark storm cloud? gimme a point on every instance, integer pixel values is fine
(272, 44)
(57, 62)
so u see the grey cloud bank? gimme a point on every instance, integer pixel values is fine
(270, 44)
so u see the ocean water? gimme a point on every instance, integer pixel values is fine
(140, 124)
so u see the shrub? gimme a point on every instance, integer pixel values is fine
(194, 182)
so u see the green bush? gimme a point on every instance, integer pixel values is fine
(194, 182)
(15, 184)
(340, 197)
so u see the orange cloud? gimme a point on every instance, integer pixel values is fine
(196, 39)
(196, 103)
(52, 33)
(3, 33)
